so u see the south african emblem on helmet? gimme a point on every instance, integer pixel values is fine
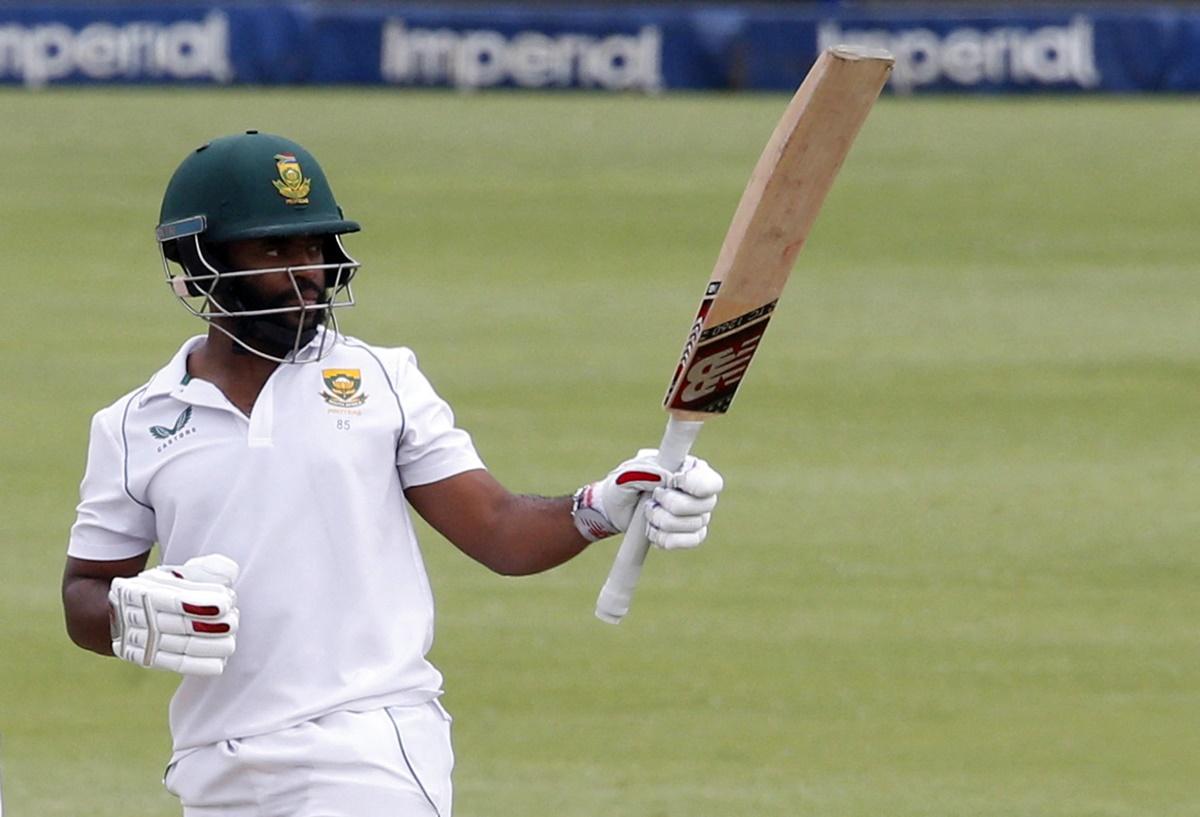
(291, 183)
(343, 387)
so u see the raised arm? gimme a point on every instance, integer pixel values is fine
(512, 534)
(516, 534)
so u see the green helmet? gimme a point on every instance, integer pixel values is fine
(251, 186)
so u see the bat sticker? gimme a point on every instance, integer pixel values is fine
(692, 339)
(716, 369)
(762, 312)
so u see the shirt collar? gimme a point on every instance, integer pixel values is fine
(323, 341)
(174, 374)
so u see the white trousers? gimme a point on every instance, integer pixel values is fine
(392, 762)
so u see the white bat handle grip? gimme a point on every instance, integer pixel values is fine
(617, 593)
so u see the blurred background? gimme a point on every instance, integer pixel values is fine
(649, 47)
(954, 571)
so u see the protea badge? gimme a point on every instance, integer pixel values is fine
(291, 183)
(343, 386)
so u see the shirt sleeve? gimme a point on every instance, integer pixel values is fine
(431, 447)
(109, 523)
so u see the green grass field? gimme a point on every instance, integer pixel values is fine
(955, 568)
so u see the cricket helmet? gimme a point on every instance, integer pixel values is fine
(250, 186)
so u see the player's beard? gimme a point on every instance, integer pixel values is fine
(275, 334)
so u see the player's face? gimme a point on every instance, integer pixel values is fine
(285, 287)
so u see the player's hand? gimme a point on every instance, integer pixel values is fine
(182, 618)
(678, 510)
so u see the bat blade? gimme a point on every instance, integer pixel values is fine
(772, 221)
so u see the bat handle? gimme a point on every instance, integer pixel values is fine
(617, 593)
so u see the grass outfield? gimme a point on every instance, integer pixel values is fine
(955, 568)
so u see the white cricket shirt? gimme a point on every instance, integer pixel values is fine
(306, 495)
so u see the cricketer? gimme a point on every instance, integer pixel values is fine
(275, 461)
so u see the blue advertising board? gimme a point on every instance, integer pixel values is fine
(648, 48)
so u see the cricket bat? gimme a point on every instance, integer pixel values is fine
(772, 221)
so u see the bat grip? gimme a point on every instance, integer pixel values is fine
(617, 593)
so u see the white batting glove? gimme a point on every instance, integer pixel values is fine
(677, 513)
(182, 618)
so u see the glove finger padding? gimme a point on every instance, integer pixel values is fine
(661, 518)
(677, 502)
(677, 517)
(175, 624)
(671, 532)
(676, 541)
(698, 478)
(198, 601)
(174, 662)
(182, 619)
(211, 647)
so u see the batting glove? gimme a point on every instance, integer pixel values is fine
(677, 512)
(181, 618)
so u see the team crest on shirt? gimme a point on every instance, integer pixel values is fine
(343, 388)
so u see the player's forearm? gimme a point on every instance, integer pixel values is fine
(85, 603)
(535, 533)
(85, 598)
(513, 534)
